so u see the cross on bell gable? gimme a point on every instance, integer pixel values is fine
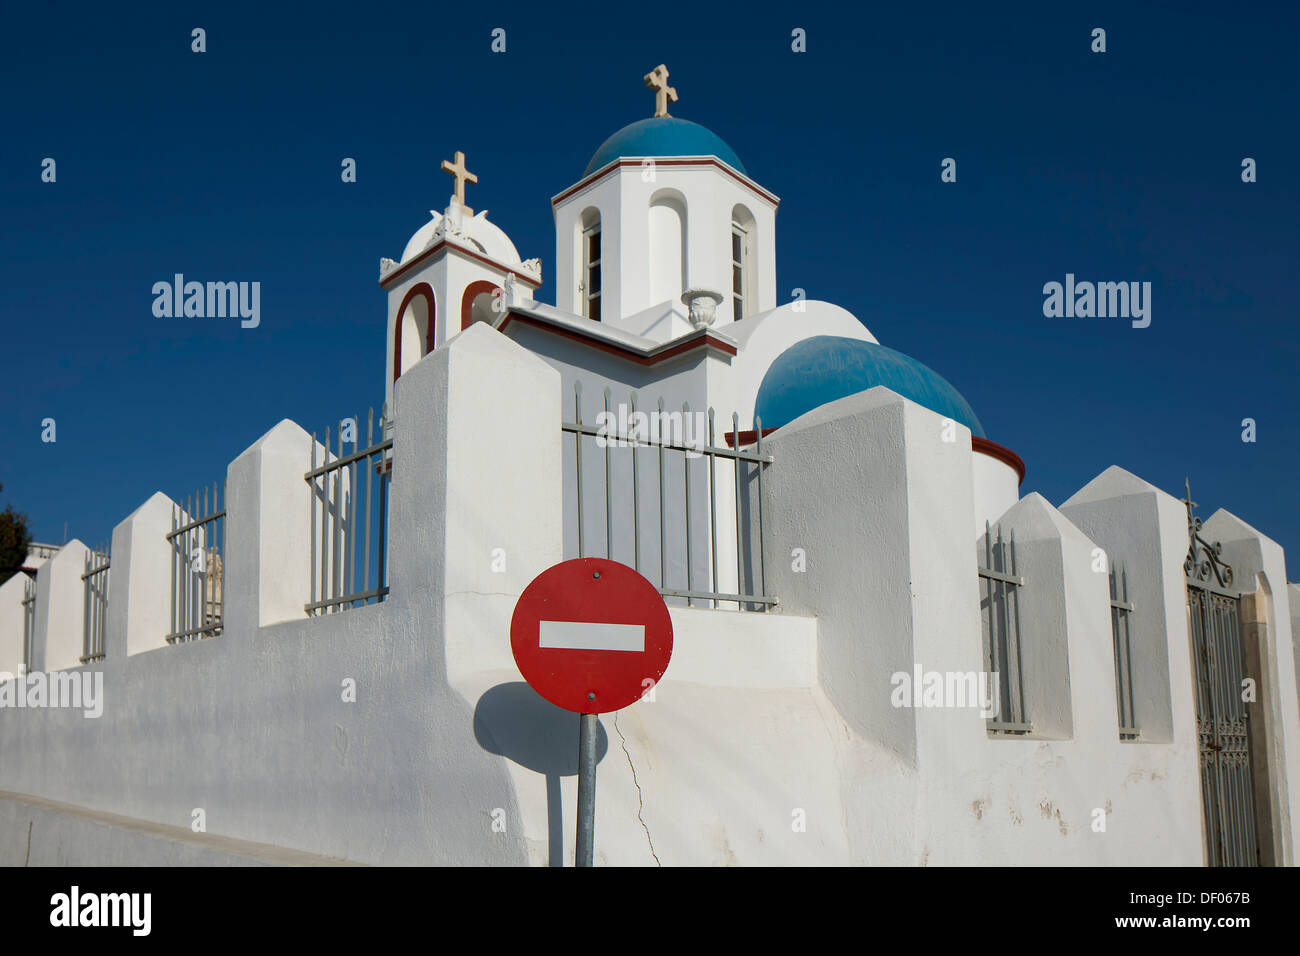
(460, 175)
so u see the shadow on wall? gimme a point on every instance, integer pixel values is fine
(515, 722)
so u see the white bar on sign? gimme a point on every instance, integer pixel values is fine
(586, 636)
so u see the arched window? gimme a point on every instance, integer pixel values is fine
(667, 266)
(479, 303)
(589, 265)
(413, 333)
(743, 291)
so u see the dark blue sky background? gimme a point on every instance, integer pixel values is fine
(225, 166)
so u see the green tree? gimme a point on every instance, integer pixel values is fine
(15, 539)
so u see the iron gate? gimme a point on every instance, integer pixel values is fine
(1222, 720)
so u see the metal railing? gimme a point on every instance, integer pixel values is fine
(1000, 611)
(198, 543)
(1120, 610)
(335, 496)
(29, 624)
(688, 552)
(95, 580)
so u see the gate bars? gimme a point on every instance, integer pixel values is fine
(744, 462)
(1222, 720)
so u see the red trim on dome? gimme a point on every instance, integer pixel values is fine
(1000, 452)
(981, 445)
(702, 161)
(746, 437)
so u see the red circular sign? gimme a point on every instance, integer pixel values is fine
(591, 635)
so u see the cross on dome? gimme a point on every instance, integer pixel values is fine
(657, 80)
(460, 174)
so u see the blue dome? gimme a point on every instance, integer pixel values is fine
(663, 136)
(828, 367)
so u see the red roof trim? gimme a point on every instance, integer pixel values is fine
(705, 340)
(1000, 452)
(981, 445)
(440, 248)
(702, 161)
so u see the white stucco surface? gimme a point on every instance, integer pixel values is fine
(11, 624)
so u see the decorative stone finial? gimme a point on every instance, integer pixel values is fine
(703, 303)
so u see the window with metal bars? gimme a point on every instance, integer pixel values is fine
(197, 542)
(1000, 614)
(739, 269)
(675, 497)
(95, 580)
(29, 625)
(591, 273)
(1120, 612)
(349, 515)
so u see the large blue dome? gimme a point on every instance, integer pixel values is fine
(828, 367)
(663, 136)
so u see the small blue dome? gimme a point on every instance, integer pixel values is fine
(663, 136)
(824, 368)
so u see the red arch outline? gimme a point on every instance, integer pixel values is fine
(421, 289)
(472, 292)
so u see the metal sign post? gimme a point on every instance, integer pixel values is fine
(588, 724)
(588, 635)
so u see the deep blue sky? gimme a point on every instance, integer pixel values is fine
(225, 165)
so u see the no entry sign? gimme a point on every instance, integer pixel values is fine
(591, 635)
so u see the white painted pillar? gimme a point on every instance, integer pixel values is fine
(11, 624)
(60, 608)
(139, 581)
(476, 468)
(1064, 624)
(1143, 531)
(880, 507)
(1293, 599)
(268, 568)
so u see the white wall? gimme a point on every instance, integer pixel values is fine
(772, 738)
(996, 487)
(892, 580)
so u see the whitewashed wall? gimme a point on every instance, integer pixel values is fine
(11, 624)
(771, 740)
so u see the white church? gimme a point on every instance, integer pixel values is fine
(883, 654)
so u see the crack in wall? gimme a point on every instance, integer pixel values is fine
(640, 801)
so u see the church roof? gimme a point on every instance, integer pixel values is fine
(825, 368)
(486, 236)
(663, 136)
